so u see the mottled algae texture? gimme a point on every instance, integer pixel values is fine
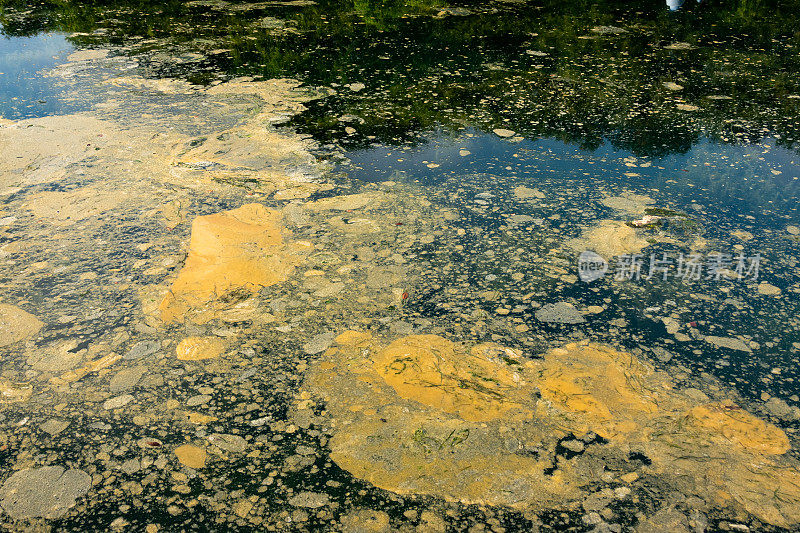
(482, 424)
(16, 324)
(47, 492)
(609, 238)
(199, 348)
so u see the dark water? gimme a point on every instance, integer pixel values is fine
(696, 106)
(588, 75)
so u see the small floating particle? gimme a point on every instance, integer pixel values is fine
(768, 289)
(500, 132)
(150, 443)
(199, 348)
(191, 456)
(679, 46)
(119, 401)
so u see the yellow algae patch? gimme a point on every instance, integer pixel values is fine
(89, 367)
(14, 392)
(450, 459)
(729, 421)
(609, 238)
(239, 249)
(174, 212)
(766, 490)
(481, 424)
(253, 151)
(40, 150)
(353, 338)
(191, 456)
(407, 441)
(242, 508)
(59, 357)
(16, 324)
(354, 225)
(166, 86)
(482, 384)
(245, 152)
(630, 203)
(247, 310)
(65, 208)
(199, 348)
(281, 92)
(347, 202)
(299, 192)
(607, 388)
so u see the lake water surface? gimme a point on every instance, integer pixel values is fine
(403, 266)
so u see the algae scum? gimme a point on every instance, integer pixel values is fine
(309, 266)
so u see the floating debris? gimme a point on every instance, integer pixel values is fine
(199, 348)
(16, 324)
(48, 491)
(610, 238)
(500, 132)
(560, 313)
(191, 456)
(647, 220)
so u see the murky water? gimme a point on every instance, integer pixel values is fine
(306, 266)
